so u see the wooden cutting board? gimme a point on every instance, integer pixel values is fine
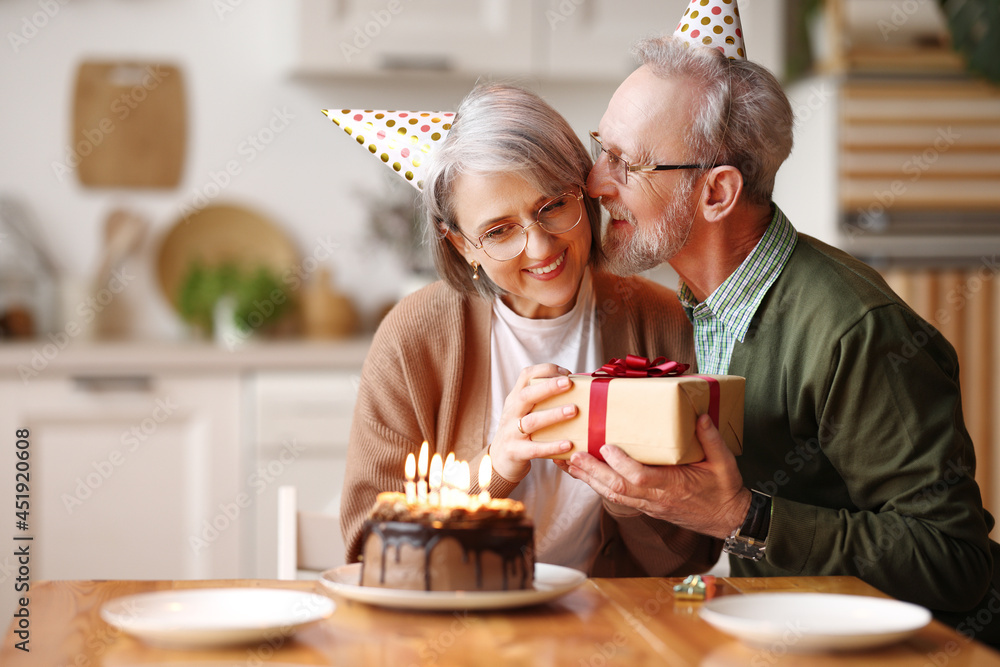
(129, 124)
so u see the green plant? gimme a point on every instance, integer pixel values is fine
(798, 47)
(259, 297)
(975, 33)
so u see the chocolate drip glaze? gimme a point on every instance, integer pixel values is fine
(511, 540)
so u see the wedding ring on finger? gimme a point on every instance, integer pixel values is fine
(519, 426)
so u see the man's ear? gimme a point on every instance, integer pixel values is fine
(723, 188)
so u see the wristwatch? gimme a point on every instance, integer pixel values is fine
(750, 539)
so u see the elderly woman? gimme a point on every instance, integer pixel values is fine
(516, 242)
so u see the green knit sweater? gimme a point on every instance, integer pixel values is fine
(854, 424)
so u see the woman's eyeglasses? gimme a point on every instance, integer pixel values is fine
(509, 239)
(619, 166)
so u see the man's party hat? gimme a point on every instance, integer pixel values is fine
(402, 140)
(713, 23)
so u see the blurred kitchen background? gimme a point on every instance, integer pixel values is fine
(193, 258)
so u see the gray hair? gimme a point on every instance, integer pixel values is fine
(742, 102)
(501, 128)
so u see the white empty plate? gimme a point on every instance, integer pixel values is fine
(551, 581)
(203, 617)
(814, 621)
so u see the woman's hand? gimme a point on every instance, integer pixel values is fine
(512, 448)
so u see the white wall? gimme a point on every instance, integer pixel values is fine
(806, 185)
(236, 66)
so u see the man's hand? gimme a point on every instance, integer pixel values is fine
(707, 497)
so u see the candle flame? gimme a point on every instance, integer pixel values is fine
(485, 473)
(449, 483)
(449, 470)
(411, 467)
(437, 469)
(422, 462)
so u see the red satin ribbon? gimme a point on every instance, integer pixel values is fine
(713, 397)
(633, 366)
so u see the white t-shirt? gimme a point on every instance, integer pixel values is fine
(566, 511)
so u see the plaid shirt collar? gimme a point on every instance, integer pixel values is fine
(736, 300)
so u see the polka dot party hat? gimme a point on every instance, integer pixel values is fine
(402, 140)
(715, 24)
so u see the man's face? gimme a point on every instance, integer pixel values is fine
(651, 213)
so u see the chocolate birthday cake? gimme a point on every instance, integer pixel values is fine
(482, 547)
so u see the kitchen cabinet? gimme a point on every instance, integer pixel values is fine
(384, 37)
(131, 476)
(564, 40)
(301, 426)
(592, 39)
(162, 461)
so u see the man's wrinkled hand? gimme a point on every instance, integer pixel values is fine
(707, 497)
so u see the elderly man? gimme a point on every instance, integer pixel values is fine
(856, 460)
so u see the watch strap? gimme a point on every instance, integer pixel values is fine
(750, 539)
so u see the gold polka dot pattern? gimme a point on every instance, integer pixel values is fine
(401, 140)
(715, 24)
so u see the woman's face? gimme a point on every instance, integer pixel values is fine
(542, 282)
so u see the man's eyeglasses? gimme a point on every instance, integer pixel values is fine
(509, 239)
(619, 166)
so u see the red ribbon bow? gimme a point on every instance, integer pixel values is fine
(633, 366)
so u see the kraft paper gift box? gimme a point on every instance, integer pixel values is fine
(651, 418)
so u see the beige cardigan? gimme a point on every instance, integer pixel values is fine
(426, 377)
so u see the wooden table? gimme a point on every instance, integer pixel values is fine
(603, 622)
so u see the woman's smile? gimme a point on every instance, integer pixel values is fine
(549, 271)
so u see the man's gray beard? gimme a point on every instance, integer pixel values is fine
(652, 245)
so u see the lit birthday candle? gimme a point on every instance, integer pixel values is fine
(448, 481)
(422, 471)
(485, 474)
(411, 471)
(464, 482)
(434, 480)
